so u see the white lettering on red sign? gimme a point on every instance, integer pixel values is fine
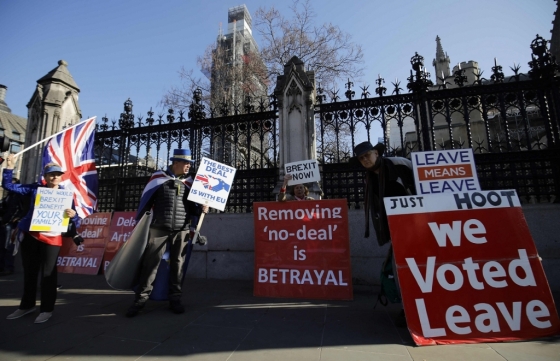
(468, 268)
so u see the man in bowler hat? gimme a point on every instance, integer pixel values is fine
(385, 177)
(166, 196)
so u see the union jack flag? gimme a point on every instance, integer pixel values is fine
(205, 179)
(73, 151)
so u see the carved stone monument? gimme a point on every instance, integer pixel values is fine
(295, 91)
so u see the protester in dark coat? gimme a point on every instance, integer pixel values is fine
(12, 210)
(39, 249)
(385, 177)
(166, 196)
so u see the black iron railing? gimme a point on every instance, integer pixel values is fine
(511, 123)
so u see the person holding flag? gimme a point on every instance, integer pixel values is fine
(68, 163)
(39, 250)
(165, 196)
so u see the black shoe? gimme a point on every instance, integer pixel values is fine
(176, 306)
(135, 309)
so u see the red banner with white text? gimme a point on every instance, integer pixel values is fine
(302, 250)
(468, 269)
(121, 228)
(85, 258)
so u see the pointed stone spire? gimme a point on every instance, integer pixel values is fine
(441, 62)
(439, 49)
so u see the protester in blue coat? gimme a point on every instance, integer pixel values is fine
(39, 250)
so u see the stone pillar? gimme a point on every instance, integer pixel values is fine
(53, 106)
(295, 91)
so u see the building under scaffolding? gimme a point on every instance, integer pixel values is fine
(238, 83)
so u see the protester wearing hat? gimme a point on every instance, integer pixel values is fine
(39, 250)
(172, 215)
(385, 177)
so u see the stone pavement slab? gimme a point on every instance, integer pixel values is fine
(224, 321)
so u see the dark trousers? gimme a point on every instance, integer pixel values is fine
(6, 248)
(157, 242)
(38, 258)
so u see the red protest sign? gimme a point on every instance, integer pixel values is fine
(302, 250)
(85, 258)
(121, 228)
(468, 269)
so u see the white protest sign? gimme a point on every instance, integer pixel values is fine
(48, 214)
(445, 171)
(212, 184)
(304, 171)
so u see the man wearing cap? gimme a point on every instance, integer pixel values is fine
(166, 196)
(385, 177)
(39, 249)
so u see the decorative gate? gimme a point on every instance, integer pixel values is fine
(510, 123)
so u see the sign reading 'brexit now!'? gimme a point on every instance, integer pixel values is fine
(468, 269)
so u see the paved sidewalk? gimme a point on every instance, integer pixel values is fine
(224, 321)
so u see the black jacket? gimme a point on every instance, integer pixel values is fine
(14, 207)
(171, 209)
(395, 179)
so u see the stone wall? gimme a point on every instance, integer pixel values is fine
(229, 252)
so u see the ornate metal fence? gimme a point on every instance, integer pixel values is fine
(129, 150)
(510, 123)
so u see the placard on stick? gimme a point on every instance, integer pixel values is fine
(212, 184)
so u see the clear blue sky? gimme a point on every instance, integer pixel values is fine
(133, 49)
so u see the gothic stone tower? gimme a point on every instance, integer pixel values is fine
(53, 106)
(441, 62)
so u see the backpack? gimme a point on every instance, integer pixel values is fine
(389, 291)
